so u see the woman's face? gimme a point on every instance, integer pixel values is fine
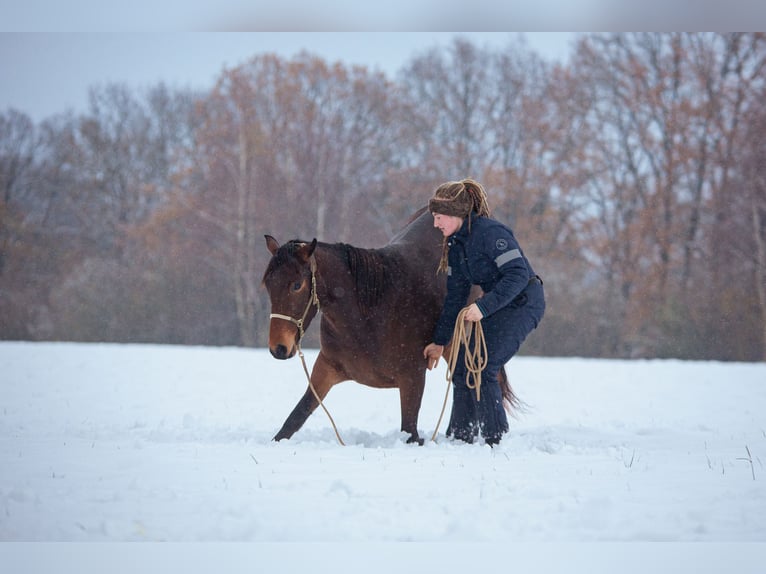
(447, 224)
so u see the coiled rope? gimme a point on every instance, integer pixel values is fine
(475, 358)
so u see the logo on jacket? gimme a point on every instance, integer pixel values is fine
(501, 244)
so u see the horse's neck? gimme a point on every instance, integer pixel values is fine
(350, 282)
(332, 275)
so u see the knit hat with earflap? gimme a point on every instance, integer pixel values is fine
(458, 199)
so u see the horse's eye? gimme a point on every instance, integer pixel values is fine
(297, 285)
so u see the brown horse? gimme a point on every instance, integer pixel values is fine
(379, 308)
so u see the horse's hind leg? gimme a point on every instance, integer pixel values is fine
(323, 378)
(410, 397)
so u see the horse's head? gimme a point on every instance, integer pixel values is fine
(290, 280)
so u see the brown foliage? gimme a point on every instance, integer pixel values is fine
(632, 177)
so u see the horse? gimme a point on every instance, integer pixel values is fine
(379, 308)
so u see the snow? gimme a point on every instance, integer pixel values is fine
(115, 443)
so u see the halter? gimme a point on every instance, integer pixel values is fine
(313, 300)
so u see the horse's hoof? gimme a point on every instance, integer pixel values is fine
(415, 439)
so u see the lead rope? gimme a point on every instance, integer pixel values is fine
(313, 390)
(475, 359)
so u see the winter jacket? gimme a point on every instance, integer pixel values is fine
(482, 252)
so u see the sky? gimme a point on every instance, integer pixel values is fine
(52, 52)
(52, 72)
(404, 15)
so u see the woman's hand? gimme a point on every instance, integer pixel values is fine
(433, 352)
(473, 313)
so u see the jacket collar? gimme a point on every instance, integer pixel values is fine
(465, 229)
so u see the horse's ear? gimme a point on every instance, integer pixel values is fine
(306, 250)
(272, 244)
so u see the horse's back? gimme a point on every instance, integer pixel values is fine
(419, 242)
(419, 229)
(416, 251)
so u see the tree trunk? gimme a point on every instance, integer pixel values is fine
(244, 290)
(760, 269)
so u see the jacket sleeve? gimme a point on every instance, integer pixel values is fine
(458, 289)
(502, 248)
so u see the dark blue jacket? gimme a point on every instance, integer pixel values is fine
(488, 256)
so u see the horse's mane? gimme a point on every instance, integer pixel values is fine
(373, 271)
(370, 270)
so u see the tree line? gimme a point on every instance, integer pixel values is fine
(633, 175)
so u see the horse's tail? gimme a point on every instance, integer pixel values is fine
(510, 400)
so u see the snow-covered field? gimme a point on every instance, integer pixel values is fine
(111, 443)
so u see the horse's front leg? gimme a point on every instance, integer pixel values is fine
(410, 398)
(323, 378)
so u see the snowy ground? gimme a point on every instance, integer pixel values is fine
(109, 443)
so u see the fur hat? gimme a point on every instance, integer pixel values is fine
(459, 198)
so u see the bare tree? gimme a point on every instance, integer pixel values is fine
(18, 148)
(451, 91)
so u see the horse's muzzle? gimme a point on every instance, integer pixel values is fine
(281, 352)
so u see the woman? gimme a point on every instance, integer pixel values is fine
(481, 251)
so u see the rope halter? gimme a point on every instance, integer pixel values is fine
(313, 300)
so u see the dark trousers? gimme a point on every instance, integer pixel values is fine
(504, 332)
